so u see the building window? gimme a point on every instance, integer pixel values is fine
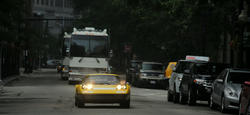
(59, 3)
(46, 2)
(42, 2)
(52, 3)
(69, 4)
(37, 2)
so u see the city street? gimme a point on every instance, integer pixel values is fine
(43, 93)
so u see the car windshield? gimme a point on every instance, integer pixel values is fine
(103, 79)
(152, 67)
(238, 77)
(204, 69)
(181, 66)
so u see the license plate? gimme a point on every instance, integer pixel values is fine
(152, 82)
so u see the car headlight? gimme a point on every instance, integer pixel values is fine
(199, 81)
(88, 86)
(231, 92)
(119, 87)
(143, 74)
(179, 78)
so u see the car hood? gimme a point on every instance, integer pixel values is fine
(205, 77)
(151, 71)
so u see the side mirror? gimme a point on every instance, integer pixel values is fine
(219, 80)
(174, 69)
(187, 71)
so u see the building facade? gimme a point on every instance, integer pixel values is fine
(55, 14)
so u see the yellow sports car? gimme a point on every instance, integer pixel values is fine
(102, 88)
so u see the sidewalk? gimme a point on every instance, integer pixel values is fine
(12, 78)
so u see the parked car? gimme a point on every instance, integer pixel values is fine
(245, 99)
(175, 79)
(149, 73)
(197, 81)
(52, 63)
(131, 69)
(227, 87)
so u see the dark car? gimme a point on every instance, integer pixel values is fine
(245, 99)
(149, 73)
(227, 87)
(131, 69)
(197, 81)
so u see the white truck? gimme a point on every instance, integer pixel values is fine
(89, 53)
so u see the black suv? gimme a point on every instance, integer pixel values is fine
(131, 69)
(197, 81)
(149, 73)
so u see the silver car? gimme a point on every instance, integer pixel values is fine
(175, 80)
(227, 87)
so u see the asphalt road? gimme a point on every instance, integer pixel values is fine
(43, 93)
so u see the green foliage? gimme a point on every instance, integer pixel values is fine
(161, 30)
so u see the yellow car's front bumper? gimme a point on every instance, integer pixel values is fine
(103, 98)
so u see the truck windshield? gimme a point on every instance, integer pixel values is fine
(88, 46)
(238, 77)
(152, 67)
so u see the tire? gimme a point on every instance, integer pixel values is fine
(191, 98)
(175, 96)
(240, 111)
(182, 98)
(222, 105)
(125, 104)
(211, 103)
(76, 102)
(170, 96)
(248, 110)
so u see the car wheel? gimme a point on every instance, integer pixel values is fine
(76, 102)
(182, 98)
(240, 111)
(175, 96)
(222, 105)
(80, 104)
(125, 104)
(170, 96)
(211, 102)
(191, 98)
(248, 110)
